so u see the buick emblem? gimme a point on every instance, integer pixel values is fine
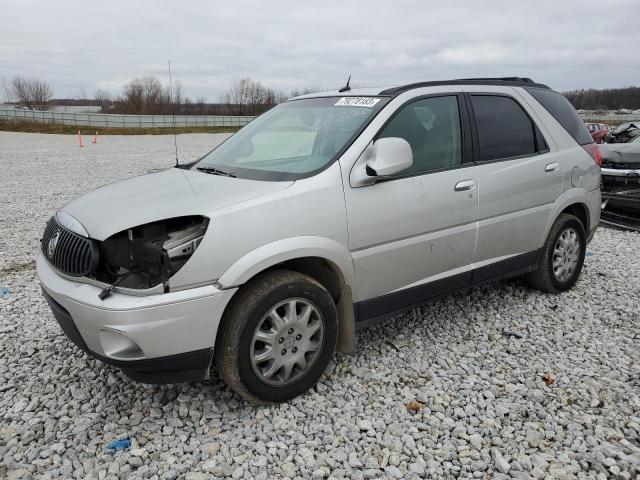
(53, 243)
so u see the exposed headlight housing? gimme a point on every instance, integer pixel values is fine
(150, 254)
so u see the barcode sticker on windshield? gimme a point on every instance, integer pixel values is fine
(357, 101)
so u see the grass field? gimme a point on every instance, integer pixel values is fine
(33, 127)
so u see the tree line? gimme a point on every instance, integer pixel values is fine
(605, 99)
(148, 96)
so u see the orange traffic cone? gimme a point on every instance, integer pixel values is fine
(80, 139)
(95, 138)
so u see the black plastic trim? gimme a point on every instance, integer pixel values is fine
(75, 255)
(375, 310)
(592, 232)
(504, 81)
(183, 367)
(505, 268)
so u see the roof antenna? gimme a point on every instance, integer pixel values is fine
(173, 115)
(346, 88)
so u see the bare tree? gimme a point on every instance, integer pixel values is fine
(155, 100)
(32, 93)
(176, 95)
(143, 96)
(104, 99)
(201, 105)
(81, 94)
(248, 97)
(6, 91)
(132, 99)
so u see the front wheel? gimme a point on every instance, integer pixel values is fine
(277, 337)
(561, 257)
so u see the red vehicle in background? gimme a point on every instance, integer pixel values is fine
(599, 131)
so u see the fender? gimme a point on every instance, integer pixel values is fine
(571, 197)
(288, 249)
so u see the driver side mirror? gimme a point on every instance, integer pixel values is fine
(390, 155)
(382, 158)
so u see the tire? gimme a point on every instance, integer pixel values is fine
(250, 318)
(545, 278)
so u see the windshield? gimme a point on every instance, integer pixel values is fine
(294, 139)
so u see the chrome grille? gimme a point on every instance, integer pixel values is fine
(67, 251)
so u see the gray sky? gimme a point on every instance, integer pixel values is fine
(81, 46)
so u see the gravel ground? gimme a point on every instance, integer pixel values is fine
(501, 381)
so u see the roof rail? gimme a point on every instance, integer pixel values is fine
(506, 81)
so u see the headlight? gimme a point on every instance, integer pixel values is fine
(145, 256)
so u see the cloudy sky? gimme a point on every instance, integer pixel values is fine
(81, 46)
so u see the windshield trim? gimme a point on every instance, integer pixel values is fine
(274, 176)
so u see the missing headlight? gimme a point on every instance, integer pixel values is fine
(148, 255)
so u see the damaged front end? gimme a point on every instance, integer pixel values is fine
(624, 133)
(148, 255)
(620, 177)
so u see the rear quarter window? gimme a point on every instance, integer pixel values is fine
(562, 110)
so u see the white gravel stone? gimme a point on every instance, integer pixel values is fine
(476, 441)
(484, 399)
(211, 448)
(393, 472)
(365, 425)
(501, 463)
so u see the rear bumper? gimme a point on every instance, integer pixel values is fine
(595, 202)
(162, 338)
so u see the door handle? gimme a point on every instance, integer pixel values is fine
(552, 167)
(464, 185)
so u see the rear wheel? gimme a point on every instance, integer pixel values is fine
(277, 337)
(562, 256)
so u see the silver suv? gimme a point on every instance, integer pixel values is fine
(328, 213)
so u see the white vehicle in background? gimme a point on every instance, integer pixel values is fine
(328, 213)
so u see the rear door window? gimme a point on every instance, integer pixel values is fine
(504, 128)
(562, 110)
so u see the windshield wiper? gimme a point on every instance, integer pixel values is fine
(215, 171)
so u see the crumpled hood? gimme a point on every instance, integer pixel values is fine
(620, 152)
(170, 193)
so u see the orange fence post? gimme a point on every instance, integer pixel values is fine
(80, 139)
(95, 138)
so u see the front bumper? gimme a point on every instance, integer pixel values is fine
(629, 174)
(621, 188)
(162, 338)
(619, 179)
